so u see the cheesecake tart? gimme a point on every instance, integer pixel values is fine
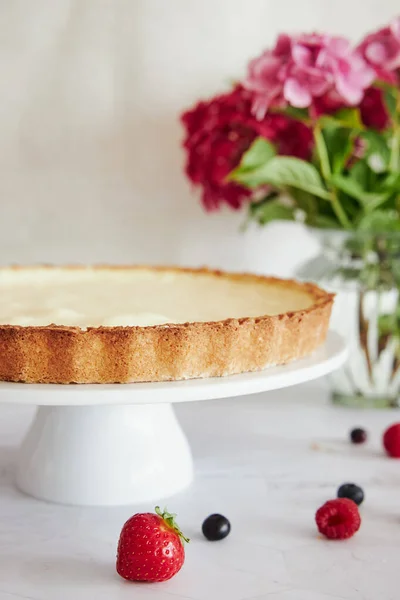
(107, 324)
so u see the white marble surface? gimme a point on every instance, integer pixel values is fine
(267, 462)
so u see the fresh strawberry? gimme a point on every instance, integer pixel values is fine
(150, 547)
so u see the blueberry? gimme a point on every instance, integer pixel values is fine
(352, 492)
(216, 527)
(358, 435)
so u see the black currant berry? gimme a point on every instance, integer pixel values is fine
(352, 492)
(358, 435)
(216, 527)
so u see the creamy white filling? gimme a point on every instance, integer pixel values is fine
(124, 297)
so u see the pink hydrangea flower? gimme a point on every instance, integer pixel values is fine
(305, 67)
(381, 50)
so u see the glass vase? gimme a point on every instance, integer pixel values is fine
(364, 272)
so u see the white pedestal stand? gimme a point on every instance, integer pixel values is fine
(121, 444)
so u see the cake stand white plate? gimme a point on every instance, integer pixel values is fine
(122, 444)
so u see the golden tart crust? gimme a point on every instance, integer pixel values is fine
(175, 351)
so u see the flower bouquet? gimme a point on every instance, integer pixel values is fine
(312, 134)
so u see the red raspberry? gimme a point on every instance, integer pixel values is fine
(338, 519)
(391, 440)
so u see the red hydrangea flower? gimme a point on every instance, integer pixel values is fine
(373, 110)
(220, 130)
(328, 104)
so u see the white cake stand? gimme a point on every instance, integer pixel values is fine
(122, 444)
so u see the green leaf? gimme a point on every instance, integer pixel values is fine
(377, 145)
(299, 114)
(352, 187)
(322, 152)
(286, 171)
(360, 172)
(380, 221)
(260, 152)
(369, 181)
(348, 118)
(394, 163)
(390, 101)
(339, 143)
(387, 324)
(271, 210)
(391, 183)
(325, 222)
(305, 202)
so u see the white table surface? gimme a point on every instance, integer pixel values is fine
(267, 463)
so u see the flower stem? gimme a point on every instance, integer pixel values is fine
(395, 150)
(326, 171)
(339, 211)
(322, 152)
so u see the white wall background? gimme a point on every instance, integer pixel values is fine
(90, 158)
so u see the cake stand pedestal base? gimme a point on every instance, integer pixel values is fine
(104, 455)
(118, 444)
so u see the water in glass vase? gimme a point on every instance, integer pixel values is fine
(364, 272)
